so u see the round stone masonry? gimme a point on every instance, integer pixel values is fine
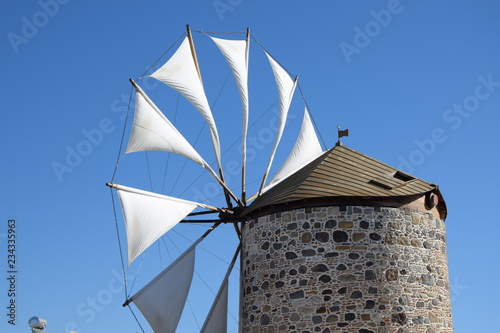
(362, 270)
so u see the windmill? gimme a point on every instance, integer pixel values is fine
(334, 240)
(149, 215)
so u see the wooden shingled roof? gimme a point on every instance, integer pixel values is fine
(344, 172)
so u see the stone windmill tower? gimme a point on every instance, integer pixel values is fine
(346, 244)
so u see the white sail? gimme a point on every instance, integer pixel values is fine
(306, 149)
(181, 73)
(236, 54)
(149, 215)
(162, 300)
(216, 321)
(286, 87)
(153, 131)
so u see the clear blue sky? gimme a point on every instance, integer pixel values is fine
(418, 89)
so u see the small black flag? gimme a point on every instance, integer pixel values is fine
(343, 133)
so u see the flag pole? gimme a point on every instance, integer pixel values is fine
(341, 134)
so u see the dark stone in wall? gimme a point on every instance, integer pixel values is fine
(325, 278)
(340, 236)
(370, 304)
(399, 318)
(308, 252)
(297, 294)
(321, 310)
(370, 275)
(356, 294)
(330, 224)
(322, 236)
(320, 268)
(350, 316)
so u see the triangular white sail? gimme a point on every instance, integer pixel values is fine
(286, 87)
(236, 54)
(306, 149)
(162, 300)
(149, 215)
(216, 321)
(181, 73)
(153, 131)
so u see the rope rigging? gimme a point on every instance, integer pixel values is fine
(157, 60)
(168, 155)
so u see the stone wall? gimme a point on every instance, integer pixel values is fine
(362, 270)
